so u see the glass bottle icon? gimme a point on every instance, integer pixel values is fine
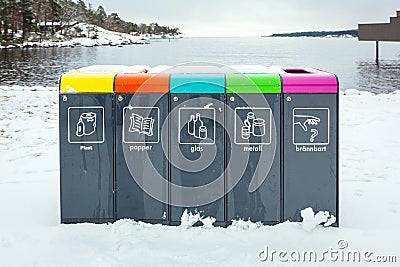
(203, 132)
(196, 127)
(191, 125)
(197, 124)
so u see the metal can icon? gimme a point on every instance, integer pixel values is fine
(246, 132)
(258, 127)
(252, 126)
(250, 118)
(86, 124)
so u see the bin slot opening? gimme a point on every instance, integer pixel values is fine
(297, 71)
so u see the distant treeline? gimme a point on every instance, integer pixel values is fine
(21, 18)
(353, 33)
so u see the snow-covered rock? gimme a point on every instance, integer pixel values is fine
(397, 92)
(352, 92)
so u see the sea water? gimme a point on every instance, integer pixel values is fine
(353, 61)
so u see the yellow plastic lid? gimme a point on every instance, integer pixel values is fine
(87, 82)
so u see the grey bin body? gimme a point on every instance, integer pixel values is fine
(198, 142)
(86, 163)
(140, 157)
(263, 204)
(184, 155)
(310, 166)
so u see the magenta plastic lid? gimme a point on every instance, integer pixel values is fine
(299, 80)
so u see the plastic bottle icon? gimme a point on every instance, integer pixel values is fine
(80, 128)
(86, 124)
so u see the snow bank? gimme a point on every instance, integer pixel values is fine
(357, 92)
(29, 199)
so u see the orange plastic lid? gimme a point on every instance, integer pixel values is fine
(141, 83)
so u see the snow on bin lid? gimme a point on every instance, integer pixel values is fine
(159, 69)
(141, 83)
(304, 80)
(255, 69)
(253, 83)
(87, 82)
(102, 69)
(197, 83)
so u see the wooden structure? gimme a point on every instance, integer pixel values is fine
(377, 32)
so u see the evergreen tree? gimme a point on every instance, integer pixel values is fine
(55, 10)
(27, 17)
(100, 16)
(19, 18)
(3, 19)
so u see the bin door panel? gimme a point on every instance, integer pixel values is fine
(86, 163)
(310, 153)
(197, 153)
(259, 154)
(140, 158)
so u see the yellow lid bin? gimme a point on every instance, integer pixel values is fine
(87, 82)
(86, 146)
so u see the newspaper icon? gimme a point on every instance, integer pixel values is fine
(142, 125)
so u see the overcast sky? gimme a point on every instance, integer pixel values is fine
(252, 17)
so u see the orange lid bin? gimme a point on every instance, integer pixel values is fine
(141, 83)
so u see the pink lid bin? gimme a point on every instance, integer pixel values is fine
(307, 80)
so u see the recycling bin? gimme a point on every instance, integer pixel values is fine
(197, 154)
(141, 148)
(86, 147)
(253, 147)
(310, 142)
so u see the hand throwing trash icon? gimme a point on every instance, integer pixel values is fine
(86, 124)
(311, 126)
(304, 120)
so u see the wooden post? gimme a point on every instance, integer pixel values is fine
(377, 52)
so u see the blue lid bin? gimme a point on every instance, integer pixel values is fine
(197, 155)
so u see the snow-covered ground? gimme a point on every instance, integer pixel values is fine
(31, 235)
(90, 35)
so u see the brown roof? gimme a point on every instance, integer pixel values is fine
(381, 31)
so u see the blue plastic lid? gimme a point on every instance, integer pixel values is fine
(197, 83)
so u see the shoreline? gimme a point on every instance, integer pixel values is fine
(133, 40)
(86, 35)
(66, 44)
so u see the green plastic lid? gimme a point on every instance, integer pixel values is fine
(253, 83)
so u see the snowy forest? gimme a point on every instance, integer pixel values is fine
(23, 19)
